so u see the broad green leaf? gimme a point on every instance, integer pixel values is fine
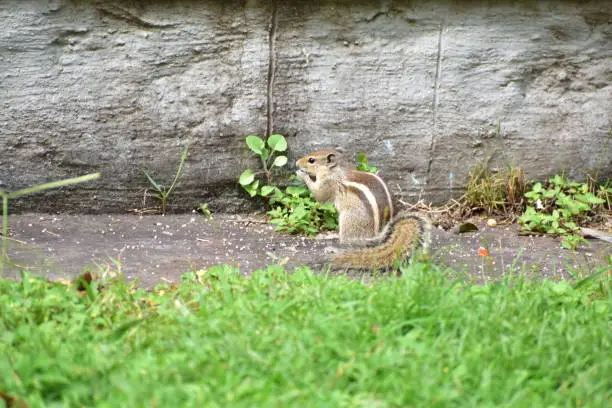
(534, 194)
(362, 163)
(267, 190)
(276, 221)
(571, 242)
(328, 207)
(590, 198)
(255, 143)
(530, 210)
(246, 177)
(252, 188)
(551, 193)
(528, 215)
(299, 212)
(558, 180)
(296, 191)
(277, 143)
(575, 207)
(280, 161)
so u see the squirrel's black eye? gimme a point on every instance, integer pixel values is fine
(311, 160)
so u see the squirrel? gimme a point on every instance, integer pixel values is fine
(366, 213)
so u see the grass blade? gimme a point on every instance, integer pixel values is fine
(54, 184)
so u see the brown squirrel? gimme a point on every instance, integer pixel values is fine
(366, 215)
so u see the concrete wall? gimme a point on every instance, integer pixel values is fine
(426, 88)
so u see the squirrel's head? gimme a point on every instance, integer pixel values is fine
(319, 163)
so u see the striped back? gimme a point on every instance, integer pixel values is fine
(372, 190)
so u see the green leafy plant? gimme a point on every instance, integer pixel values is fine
(293, 209)
(559, 206)
(270, 156)
(296, 211)
(363, 165)
(604, 191)
(571, 241)
(6, 196)
(162, 193)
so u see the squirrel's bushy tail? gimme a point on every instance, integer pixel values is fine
(401, 237)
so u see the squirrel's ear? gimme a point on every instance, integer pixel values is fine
(331, 158)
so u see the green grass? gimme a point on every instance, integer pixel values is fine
(306, 340)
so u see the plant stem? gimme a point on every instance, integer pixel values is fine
(164, 201)
(265, 167)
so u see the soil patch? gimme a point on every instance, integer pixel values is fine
(155, 248)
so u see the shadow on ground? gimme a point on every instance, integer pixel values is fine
(154, 249)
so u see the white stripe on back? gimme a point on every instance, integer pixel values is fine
(371, 199)
(388, 193)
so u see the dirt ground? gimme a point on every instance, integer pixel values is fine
(155, 249)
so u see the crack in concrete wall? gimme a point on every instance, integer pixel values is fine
(271, 69)
(436, 100)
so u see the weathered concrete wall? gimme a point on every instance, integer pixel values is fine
(420, 86)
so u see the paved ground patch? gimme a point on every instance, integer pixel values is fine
(156, 248)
